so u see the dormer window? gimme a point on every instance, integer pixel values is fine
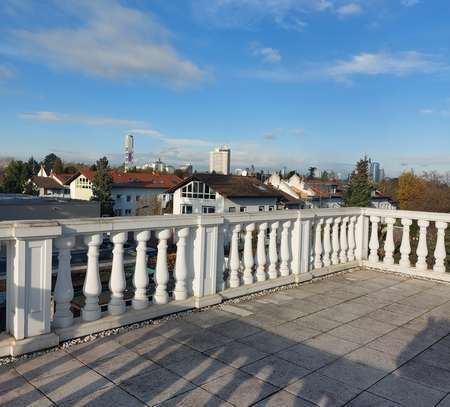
(197, 189)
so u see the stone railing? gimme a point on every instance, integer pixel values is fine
(217, 257)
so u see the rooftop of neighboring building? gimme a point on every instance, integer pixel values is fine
(235, 186)
(46, 182)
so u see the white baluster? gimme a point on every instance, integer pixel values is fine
(273, 254)
(162, 272)
(63, 288)
(140, 278)
(180, 292)
(343, 240)
(327, 242)
(374, 243)
(351, 239)
(422, 249)
(235, 281)
(261, 253)
(249, 260)
(318, 244)
(284, 250)
(117, 283)
(405, 247)
(335, 241)
(439, 251)
(389, 245)
(92, 287)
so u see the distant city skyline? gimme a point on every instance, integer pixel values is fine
(284, 83)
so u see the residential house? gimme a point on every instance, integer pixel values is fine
(219, 193)
(131, 191)
(52, 185)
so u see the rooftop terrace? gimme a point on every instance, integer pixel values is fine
(362, 338)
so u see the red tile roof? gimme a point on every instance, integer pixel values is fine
(138, 179)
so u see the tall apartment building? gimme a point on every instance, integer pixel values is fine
(219, 160)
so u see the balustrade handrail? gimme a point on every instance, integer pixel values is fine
(416, 215)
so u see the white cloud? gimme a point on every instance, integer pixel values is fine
(383, 63)
(350, 9)
(146, 132)
(426, 111)
(107, 40)
(409, 3)
(53, 117)
(287, 14)
(267, 54)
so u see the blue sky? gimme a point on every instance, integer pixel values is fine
(282, 82)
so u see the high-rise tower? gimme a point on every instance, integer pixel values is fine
(129, 152)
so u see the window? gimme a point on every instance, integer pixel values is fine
(83, 182)
(186, 209)
(118, 212)
(261, 208)
(118, 196)
(208, 209)
(271, 208)
(197, 189)
(243, 209)
(138, 197)
(127, 211)
(128, 198)
(232, 209)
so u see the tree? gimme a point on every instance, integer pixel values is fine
(149, 205)
(411, 191)
(58, 166)
(15, 177)
(311, 172)
(359, 188)
(32, 166)
(101, 187)
(325, 176)
(49, 162)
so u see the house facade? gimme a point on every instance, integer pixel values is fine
(218, 193)
(131, 191)
(52, 185)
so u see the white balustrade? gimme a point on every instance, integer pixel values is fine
(327, 242)
(235, 263)
(92, 287)
(439, 251)
(273, 253)
(161, 272)
(261, 253)
(389, 246)
(343, 240)
(374, 243)
(117, 283)
(318, 244)
(180, 292)
(140, 278)
(405, 247)
(422, 249)
(249, 260)
(351, 239)
(63, 288)
(284, 250)
(335, 241)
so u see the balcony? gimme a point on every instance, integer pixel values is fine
(363, 336)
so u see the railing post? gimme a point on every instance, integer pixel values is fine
(140, 278)
(206, 260)
(422, 249)
(362, 237)
(261, 253)
(327, 242)
(296, 246)
(161, 272)
(439, 251)
(405, 246)
(92, 287)
(318, 244)
(389, 246)
(234, 262)
(249, 261)
(117, 283)
(374, 243)
(343, 240)
(284, 249)
(305, 251)
(180, 292)
(273, 254)
(63, 288)
(335, 241)
(29, 287)
(351, 239)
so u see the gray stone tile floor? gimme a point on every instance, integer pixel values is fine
(363, 339)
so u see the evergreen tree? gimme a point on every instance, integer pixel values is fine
(15, 177)
(32, 167)
(359, 188)
(49, 162)
(101, 187)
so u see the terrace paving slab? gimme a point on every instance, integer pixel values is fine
(360, 339)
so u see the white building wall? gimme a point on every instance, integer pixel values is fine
(126, 200)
